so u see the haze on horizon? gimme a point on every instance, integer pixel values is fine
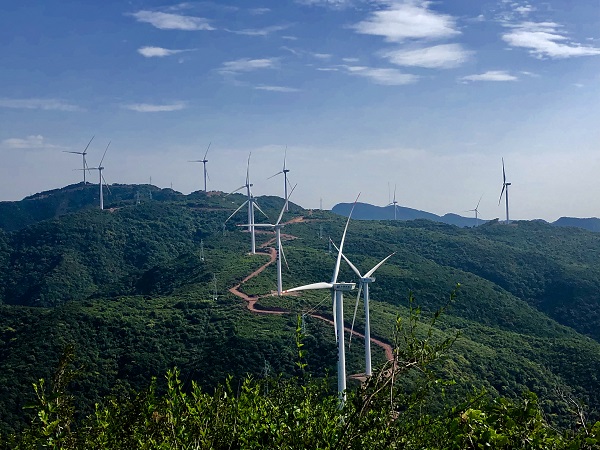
(426, 95)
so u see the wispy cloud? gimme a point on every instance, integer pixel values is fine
(247, 65)
(47, 104)
(259, 31)
(336, 4)
(405, 21)
(491, 75)
(545, 40)
(168, 21)
(148, 107)
(159, 52)
(33, 142)
(445, 56)
(276, 88)
(259, 11)
(384, 76)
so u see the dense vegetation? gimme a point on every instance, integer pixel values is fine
(130, 289)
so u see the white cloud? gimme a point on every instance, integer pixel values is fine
(350, 60)
(147, 107)
(404, 21)
(524, 9)
(444, 56)
(328, 69)
(321, 55)
(388, 77)
(259, 31)
(159, 52)
(289, 38)
(247, 65)
(28, 143)
(543, 39)
(47, 104)
(276, 88)
(491, 75)
(336, 4)
(167, 21)
(259, 11)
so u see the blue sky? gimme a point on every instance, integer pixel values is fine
(428, 96)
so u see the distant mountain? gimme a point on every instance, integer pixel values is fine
(365, 211)
(590, 224)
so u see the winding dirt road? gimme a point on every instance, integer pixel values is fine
(257, 309)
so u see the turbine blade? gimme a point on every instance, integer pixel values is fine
(207, 150)
(334, 315)
(478, 203)
(104, 154)
(278, 173)
(248, 170)
(310, 287)
(106, 184)
(284, 205)
(238, 189)
(352, 266)
(86, 147)
(262, 225)
(372, 271)
(503, 172)
(258, 207)
(500, 199)
(240, 207)
(336, 270)
(284, 157)
(207, 175)
(354, 316)
(77, 153)
(284, 258)
(395, 193)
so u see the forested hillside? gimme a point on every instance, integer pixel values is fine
(134, 291)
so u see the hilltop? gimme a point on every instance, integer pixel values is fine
(132, 289)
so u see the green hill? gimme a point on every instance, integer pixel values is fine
(128, 286)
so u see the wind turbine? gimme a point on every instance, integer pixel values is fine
(251, 202)
(505, 186)
(395, 203)
(476, 210)
(337, 290)
(204, 161)
(101, 178)
(283, 171)
(83, 153)
(364, 282)
(277, 226)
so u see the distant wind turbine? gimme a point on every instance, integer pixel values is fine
(505, 186)
(476, 210)
(284, 171)
(251, 202)
(101, 177)
(83, 153)
(394, 202)
(364, 282)
(204, 161)
(277, 226)
(337, 289)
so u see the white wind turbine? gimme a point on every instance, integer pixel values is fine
(283, 171)
(395, 203)
(101, 177)
(505, 186)
(476, 210)
(277, 226)
(204, 161)
(251, 202)
(364, 282)
(337, 290)
(83, 153)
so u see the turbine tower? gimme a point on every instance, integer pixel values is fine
(251, 202)
(505, 186)
(337, 290)
(476, 210)
(394, 202)
(364, 282)
(277, 226)
(284, 171)
(101, 177)
(204, 161)
(83, 153)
